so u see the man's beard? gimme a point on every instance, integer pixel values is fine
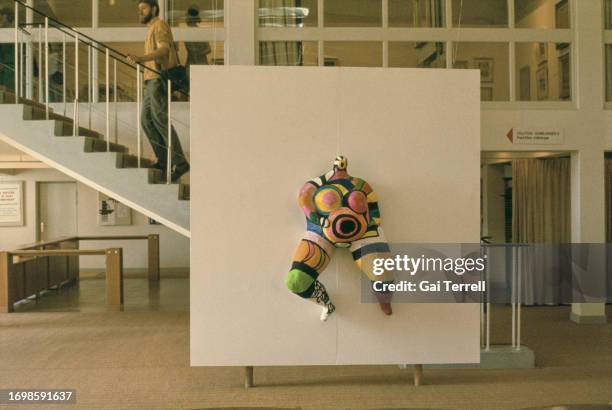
(146, 19)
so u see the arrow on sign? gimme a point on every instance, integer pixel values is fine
(510, 135)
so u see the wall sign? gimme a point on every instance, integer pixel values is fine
(11, 203)
(112, 212)
(533, 136)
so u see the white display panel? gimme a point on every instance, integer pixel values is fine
(257, 134)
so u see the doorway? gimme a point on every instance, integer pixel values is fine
(56, 210)
(526, 216)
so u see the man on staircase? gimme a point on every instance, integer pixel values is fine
(159, 55)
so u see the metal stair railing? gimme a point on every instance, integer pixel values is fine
(516, 254)
(93, 46)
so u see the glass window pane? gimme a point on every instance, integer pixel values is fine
(58, 72)
(353, 53)
(7, 50)
(298, 53)
(7, 14)
(195, 13)
(543, 72)
(416, 13)
(126, 75)
(542, 13)
(190, 53)
(287, 13)
(113, 13)
(69, 12)
(492, 60)
(200, 53)
(417, 55)
(7, 66)
(353, 13)
(479, 13)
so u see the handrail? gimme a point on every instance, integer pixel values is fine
(59, 252)
(30, 274)
(91, 45)
(78, 32)
(34, 250)
(39, 244)
(59, 23)
(18, 280)
(112, 238)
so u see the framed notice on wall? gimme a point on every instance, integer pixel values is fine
(112, 212)
(11, 203)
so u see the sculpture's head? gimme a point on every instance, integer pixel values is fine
(340, 163)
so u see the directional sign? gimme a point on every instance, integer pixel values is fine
(536, 136)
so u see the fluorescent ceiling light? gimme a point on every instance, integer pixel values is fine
(297, 12)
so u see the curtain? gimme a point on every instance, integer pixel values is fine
(541, 217)
(278, 13)
(280, 53)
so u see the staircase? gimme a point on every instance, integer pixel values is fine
(85, 158)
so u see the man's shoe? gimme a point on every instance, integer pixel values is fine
(159, 166)
(179, 171)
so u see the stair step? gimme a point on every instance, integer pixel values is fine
(157, 176)
(184, 192)
(38, 112)
(98, 168)
(63, 125)
(131, 161)
(98, 145)
(8, 97)
(63, 128)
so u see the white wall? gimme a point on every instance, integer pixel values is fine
(13, 237)
(174, 247)
(540, 14)
(418, 148)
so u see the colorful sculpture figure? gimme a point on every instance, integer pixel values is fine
(341, 212)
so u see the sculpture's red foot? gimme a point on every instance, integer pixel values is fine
(386, 308)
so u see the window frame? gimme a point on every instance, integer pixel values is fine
(448, 35)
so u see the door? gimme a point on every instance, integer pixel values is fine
(57, 210)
